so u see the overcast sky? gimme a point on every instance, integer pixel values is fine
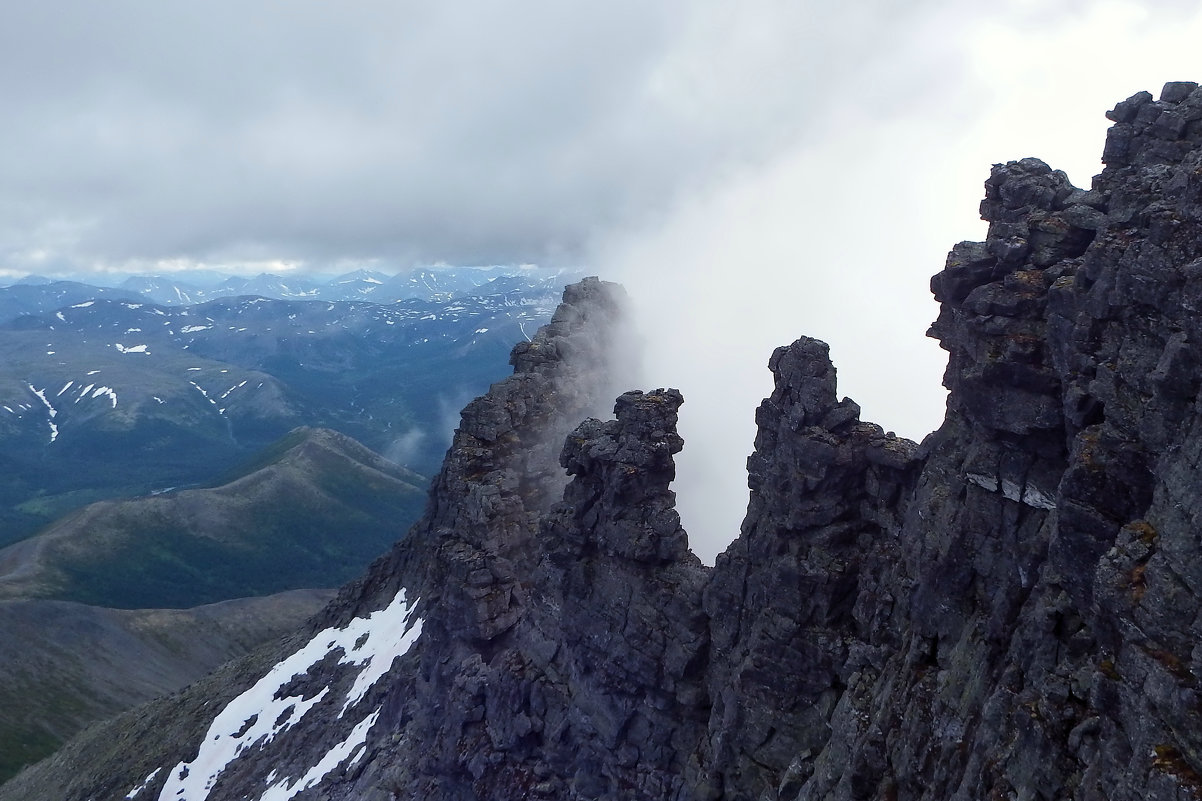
(752, 171)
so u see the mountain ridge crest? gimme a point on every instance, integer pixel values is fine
(1006, 610)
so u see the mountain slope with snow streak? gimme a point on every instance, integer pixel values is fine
(132, 656)
(433, 284)
(262, 719)
(293, 721)
(146, 397)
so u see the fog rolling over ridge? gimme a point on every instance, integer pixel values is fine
(713, 299)
(750, 172)
(834, 233)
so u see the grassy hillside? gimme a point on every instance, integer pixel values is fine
(78, 664)
(312, 512)
(93, 610)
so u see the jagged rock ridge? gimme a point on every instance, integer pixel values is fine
(1009, 610)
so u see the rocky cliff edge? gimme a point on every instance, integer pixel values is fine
(1010, 610)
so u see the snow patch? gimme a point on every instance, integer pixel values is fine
(131, 349)
(1027, 494)
(93, 372)
(134, 792)
(192, 329)
(351, 747)
(66, 387)
(83, 305)
(225, 394)
(59, 315)
(202, 391)
(41, 393)
(260, 714)
(984, 482)
(106, 391)
(481, 330)
(1035, 497)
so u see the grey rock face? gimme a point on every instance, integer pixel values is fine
(782, 600)
(1035, 659)
(1009, 610)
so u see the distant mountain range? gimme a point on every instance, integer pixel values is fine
(106, 393)
(36, 293)
(179, 459)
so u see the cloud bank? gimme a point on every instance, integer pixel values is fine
(751, 171)
(462, 132)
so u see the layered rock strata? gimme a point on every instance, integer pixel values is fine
(1008, 610)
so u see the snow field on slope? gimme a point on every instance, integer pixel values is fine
(285, 790)
(257, 716)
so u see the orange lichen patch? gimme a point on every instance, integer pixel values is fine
(1089, 454)
(1145, 531)
(1138, 582)
(1172, 663)
(1167, 759)
(1027, 279)
(1025, 338)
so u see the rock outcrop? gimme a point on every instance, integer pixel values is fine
(1008, 610)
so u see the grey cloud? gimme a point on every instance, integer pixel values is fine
(753, 171)
(461, 132)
